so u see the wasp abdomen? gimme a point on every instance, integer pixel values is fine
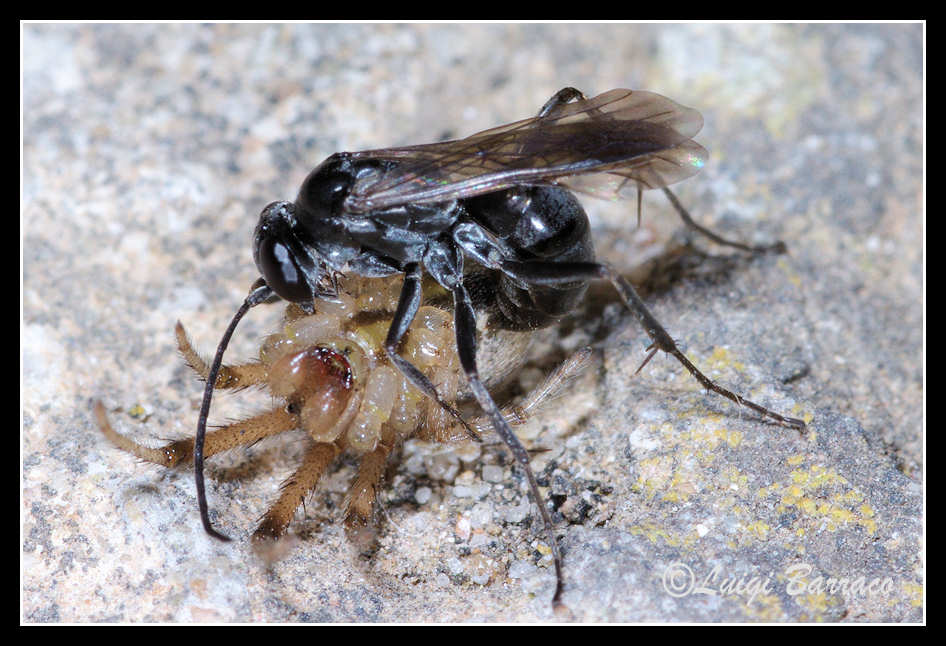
(543, 223)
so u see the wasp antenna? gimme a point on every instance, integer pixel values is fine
(259, 292)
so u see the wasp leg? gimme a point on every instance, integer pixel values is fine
(238, 376)
(465, 321)
(545, 273)
(777, 247)
(294, 490)
(569, 94)
(407, 307)
(563, 96)
(242, 433)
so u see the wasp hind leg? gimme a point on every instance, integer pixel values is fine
(563, 96)
(776, 247)
(569, 94)
(546, 273)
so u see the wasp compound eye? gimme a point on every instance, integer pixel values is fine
(282, 273)
(274, 256)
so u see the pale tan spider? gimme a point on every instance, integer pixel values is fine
(332, 379)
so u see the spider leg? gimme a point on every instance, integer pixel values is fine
(242, 433)
(294, 491)
(363, 492)
(237, 376)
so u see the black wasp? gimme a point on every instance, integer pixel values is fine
(501, 199)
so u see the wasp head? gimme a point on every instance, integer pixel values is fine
(300, 247)
(288, 262)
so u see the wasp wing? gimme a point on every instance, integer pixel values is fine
(609, 146)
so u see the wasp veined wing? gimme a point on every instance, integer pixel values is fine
(608, 146)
